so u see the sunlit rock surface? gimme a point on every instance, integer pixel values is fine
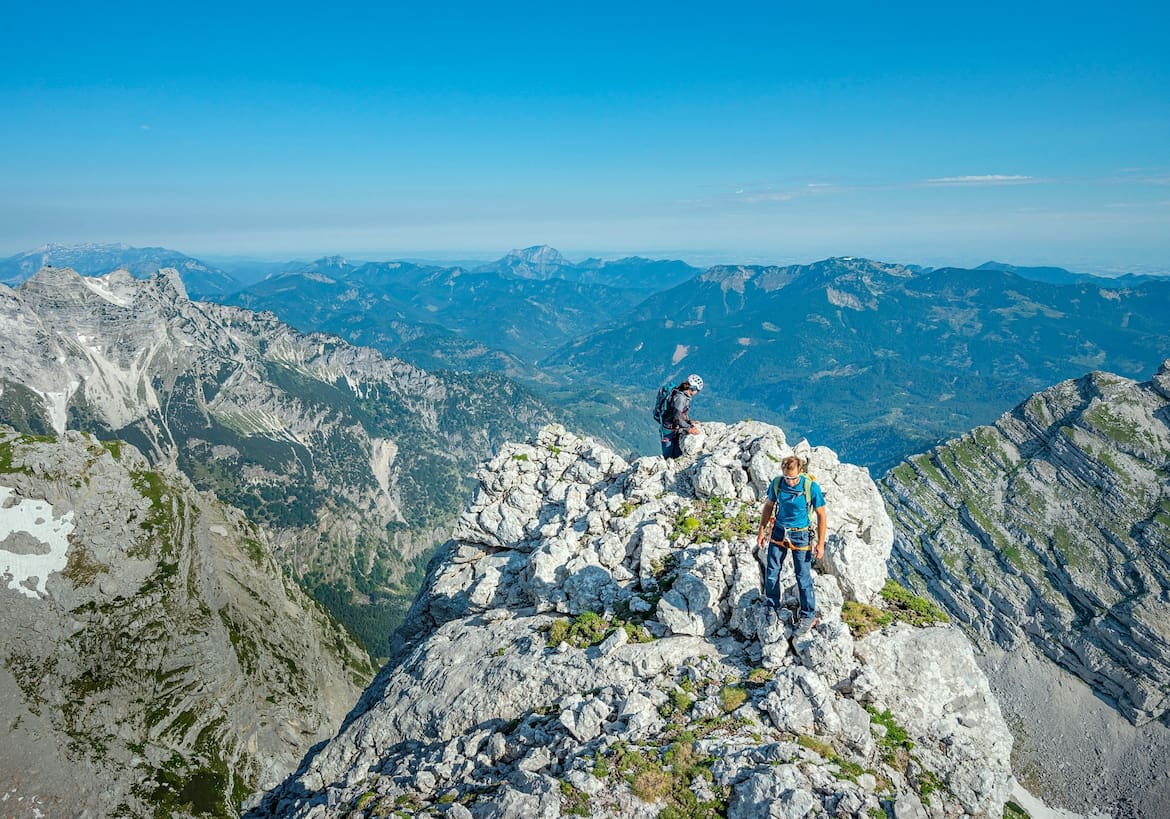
(496, 708)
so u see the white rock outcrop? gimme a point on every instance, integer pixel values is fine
(593, 639)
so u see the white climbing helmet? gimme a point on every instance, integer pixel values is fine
(695, 381)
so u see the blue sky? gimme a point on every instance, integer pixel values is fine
(737, 132)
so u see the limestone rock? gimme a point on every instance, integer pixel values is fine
(1051, 527)
(583, 633)
(928, 679)
(149, 636)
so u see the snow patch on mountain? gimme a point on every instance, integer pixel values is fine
(33, 542)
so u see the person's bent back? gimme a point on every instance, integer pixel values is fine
(676, 420)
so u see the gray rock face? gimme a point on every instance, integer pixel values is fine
(354, 463)
(592, 640)
(1052, 527)
(1073, 748)
(929, 678)
(153, 652)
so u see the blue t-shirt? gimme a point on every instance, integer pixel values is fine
(791, 510)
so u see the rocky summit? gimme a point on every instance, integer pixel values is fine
(154, 659)
(593, 642)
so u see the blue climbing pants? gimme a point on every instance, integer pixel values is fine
(802, 558)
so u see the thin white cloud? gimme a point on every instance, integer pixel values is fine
(756, 198)
(981, 179)
(757, 193)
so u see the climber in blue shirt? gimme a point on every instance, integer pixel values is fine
(786, 527)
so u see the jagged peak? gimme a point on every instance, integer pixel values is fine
(169, 282)
(536, 262)
(166, 281)
(733, 463)
(330, 261)
(536, 254)
(48, 275)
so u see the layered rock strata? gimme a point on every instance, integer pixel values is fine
(1052, 527)
(592, 641)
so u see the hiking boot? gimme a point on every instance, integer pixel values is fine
(806, 624)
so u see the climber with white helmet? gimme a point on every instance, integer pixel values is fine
(675, 419)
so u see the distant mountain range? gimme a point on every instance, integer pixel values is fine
(805, 346)
(356, 463)
(863, 328)
(525, 305)
(201, 280)
(387, 304)
(1058, 275)
(630, 273)
(882, 360)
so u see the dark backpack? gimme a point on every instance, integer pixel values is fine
(661, 402)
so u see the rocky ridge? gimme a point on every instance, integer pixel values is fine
(354, 463)
(592, 641)
(1052, 527)
(154, 660)
(1047, 537)
(98, 259)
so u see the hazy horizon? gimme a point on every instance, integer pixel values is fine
(1035, 135)
(702, 259)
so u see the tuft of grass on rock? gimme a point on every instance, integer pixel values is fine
(864, 619)
(732, 697)
(895, 744)
(901, 605)
(1011, 810)
(574, 802)
(816, 745)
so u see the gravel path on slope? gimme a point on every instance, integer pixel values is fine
(1073, 749)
